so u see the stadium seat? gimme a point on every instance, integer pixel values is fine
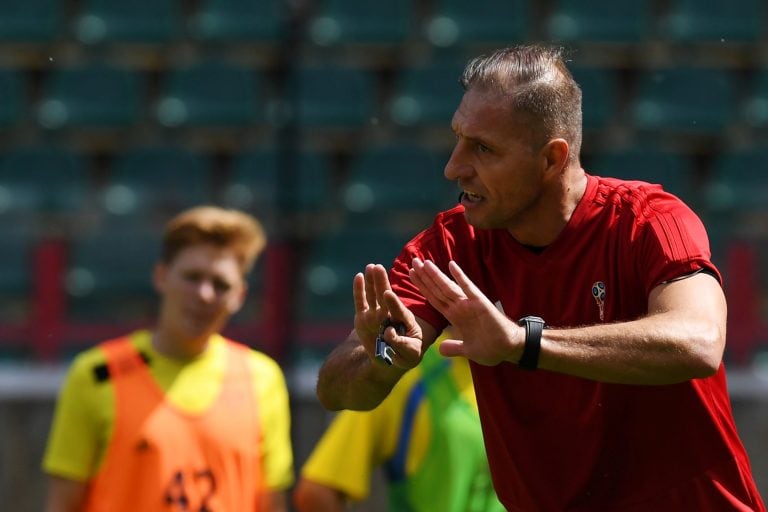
(684, 100)
(128, 21)
(739, 181)
(361, 22)
(459, 23)
(600, 21)
(94, 95)
(156, 180)
(427, 94)
(260, 182)
(674, 171)
(210, 94)
(335, 96)
(754, 104)
(43, 179)
(109, 276)
(600, 100)
(331, 263)
(399, 179)
(722, 21)
(30, 21)
(239, 21)
(12, 90)
(16, 267)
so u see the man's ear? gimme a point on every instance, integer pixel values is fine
(556, 152)
(159, 276)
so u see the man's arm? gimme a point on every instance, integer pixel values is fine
(65, 495)
(274, 501)
(351, 377)
(311, 496)
(681, 338)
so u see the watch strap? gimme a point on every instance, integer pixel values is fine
(534, 326)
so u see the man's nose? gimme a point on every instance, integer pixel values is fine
(206, 290)
(457, 165)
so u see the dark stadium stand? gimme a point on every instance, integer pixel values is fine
(376, 178)
(43, 179)
(211, 93)
(12, 90)
(134, 21)
(684, 100)
(426, 94)
(239, 21)
(30, 20)
(718, 20)
(574, 21)
(314, 114)
(92, 95)
(335, 22)
(147, 181)
(457, 23)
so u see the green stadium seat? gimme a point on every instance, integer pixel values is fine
(600, 102)
(459, 23)
(210, 94)
(361, 22)
(721, 21)
(156, 180)
(331, 263)
(12, 90)
(109, 277)
(335, 96)
(30, 21)
(427, 94)
(739, 181)
(43, 179)
(16, 269)
(399, 179)
(672, 170)
(239, 21)
(261, 182)
(600, 21)
(128, 21)
(91, 96)
(684, 100)
(754, 104)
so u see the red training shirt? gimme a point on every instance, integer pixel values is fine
(557, 442)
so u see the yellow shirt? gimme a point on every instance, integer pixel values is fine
(84, 416)
(356, 442)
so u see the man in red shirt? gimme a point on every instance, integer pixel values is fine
(589, 308)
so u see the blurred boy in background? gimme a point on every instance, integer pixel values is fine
(178, 417)
(426, 435)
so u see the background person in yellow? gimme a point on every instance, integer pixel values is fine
(426, 435)
(178, 418)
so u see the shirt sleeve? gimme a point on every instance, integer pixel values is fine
(275, 417)
(358, 442)
(77, 438)
(672, 242)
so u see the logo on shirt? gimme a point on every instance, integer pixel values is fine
(598, 292)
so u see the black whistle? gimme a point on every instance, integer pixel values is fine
(384, 352)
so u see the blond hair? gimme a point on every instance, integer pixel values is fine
(221, 227)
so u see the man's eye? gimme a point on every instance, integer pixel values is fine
(193, 277)
(221, 286)
(482, 148)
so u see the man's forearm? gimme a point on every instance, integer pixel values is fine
(349, 379)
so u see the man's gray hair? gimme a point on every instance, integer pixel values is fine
(538, 84)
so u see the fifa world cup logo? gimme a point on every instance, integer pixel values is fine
(598, 292)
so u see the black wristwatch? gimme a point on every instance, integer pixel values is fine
(533, 327)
